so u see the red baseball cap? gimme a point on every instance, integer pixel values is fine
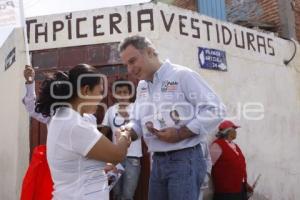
(227, 124)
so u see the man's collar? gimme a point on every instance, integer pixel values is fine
(162, 69)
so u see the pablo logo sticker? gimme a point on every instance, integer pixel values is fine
(169, 86)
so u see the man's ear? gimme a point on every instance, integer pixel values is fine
(84, 90)
(150, 51)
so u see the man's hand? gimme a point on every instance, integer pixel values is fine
(169, 135)
(110, 168)
(132, 134)
(173, 135)
(29, 74)
(150, 127)
(123, 133)
(112, 172)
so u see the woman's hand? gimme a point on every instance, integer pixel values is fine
(29, 74)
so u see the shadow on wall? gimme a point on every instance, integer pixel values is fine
(208, 195)
(257, 196)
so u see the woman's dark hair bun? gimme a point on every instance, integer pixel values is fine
(61, 87)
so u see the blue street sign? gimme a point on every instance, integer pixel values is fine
(212, 59)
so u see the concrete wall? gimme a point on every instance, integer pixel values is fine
(14, 142)
(261, 93)
(296, 8)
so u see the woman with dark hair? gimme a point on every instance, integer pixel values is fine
(76, 150)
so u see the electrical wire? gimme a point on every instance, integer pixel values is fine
(286, 62)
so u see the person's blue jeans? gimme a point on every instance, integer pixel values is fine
(125, 187)
(178, 175)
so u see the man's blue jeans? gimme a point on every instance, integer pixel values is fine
(177, 175)
(125, 187)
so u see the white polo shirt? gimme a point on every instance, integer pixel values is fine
(176, 88)
(69, 140)
(114, 120)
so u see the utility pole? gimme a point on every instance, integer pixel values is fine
(287, 18)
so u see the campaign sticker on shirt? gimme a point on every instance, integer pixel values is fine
(169, 86)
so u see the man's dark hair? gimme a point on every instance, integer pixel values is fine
(123, 83)
(139, 42)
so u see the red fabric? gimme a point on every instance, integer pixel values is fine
(227, 124)
(229, 172)
(37, 183)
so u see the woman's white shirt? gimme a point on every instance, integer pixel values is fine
(69, 140)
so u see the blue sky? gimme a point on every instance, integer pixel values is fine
(46, 7)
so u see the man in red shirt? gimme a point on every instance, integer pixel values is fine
(229, 165)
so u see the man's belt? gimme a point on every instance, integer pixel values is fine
(166, 153)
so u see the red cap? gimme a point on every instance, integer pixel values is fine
(227, 124)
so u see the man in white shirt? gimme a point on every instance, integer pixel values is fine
(179, 165)
(115, 117)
